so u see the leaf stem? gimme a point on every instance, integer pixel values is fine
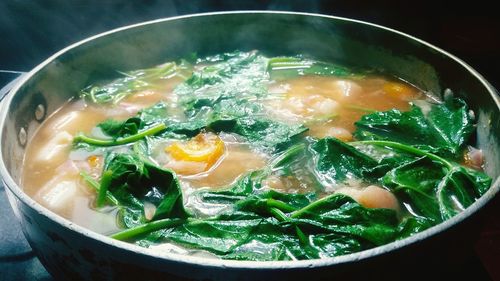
(120, 141)
(302, 237)
(407, 148)
(287, 155)
(273, 203)
(147, 228)
(278, 214)
(95, 185)
(106, 178)
(313, 205)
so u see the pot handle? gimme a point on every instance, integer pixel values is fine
(6, 89)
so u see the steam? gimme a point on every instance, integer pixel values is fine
(31, 31)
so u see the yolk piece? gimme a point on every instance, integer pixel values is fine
(206, 148)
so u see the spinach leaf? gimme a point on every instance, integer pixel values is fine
(386, 157)
(289, 67)
(261, 202)
(154, 114)
(226, 65)
(341, 214)
(479, 179)
(146, 118)
(331, 245)
(335, 225)
(337, 161)
(418, 180)
(442, 128)
(273, 240)
(217, 236)
(433, 182)
(134, 182)
(257, 239)
(239, 74)
(148, 122)
(331, 226)
(452, 191)
(131, 83)
(412, 225)
(232, 109)
(116, 129)
(264, 247)
(218, 97)
(267, 133)
(452, 122)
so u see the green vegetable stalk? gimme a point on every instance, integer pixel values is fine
(153, 130)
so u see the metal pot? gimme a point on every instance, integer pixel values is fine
(71, 252)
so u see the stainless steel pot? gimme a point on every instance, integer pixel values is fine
(71, 252)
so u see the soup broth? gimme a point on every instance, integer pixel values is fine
(241, 156)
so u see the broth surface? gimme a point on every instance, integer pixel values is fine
(42, 172)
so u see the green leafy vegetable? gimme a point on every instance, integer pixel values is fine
(121, 140)
(134, 182)
(116, 129)
(227, 103)
(217, 236)
(438, 128)
(435, 185)
(96, 186)
(414, 154)
(267, 133)
(341, 214)
(131, 83)
(337, 161)
(289, 67)
(139, 230)
(413, 225)
(235, 75)
(350, 227)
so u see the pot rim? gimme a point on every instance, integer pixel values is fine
(227, 264)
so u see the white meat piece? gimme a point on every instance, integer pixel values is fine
(340, 133)
(372, 197)
(58, 195)
(325, 106)
(342, 89)
(52, 151)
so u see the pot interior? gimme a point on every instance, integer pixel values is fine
(349, 42)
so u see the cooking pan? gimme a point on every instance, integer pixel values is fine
(70, 252)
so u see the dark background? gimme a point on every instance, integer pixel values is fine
(31, 31)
